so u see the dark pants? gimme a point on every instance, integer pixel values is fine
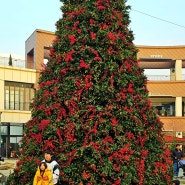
(176, 168)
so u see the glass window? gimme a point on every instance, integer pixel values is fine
(18, 95)
(16, 130)
(21, 98)
(4, 130)
(19, 140)
(27, 98)
(11, 98)
(13, 140)
(7, 95)
(16, 98)
(165, 109)
(15, 146)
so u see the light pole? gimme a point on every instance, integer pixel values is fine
(0, 135)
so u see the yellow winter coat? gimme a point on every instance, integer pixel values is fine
(46, 179)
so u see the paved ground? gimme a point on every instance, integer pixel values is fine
(181, 177)
(11, 163)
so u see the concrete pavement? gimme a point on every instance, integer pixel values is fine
(6, 168)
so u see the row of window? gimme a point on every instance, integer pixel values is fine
(167, 109)
(18, 96)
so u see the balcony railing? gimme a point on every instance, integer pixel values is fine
(16, 63)
(158, 77)
(24, 64)
(162, 77)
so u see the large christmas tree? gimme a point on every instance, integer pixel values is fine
(92, 107)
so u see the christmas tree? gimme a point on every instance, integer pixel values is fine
(92, 107)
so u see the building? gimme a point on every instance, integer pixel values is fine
(16, 92)
(166, 92)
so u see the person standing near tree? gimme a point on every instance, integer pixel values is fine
(52, 165)
(43, 175)
(177, 155)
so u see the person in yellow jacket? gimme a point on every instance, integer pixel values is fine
(43, 175)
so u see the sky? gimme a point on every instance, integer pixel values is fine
(153, 22)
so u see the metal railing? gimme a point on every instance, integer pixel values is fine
(162, 77)
(158, 77)
(24, 64)
(16, 63)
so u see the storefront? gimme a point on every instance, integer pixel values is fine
(11, 135)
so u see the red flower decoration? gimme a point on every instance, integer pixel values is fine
(144, 153)
(83, 65)
(44, 124)
(98, 58)
(69, 56)
(63, 71)
(59, 58)
(100, 7)
(117, 182)
(91, 21)
(86, 175)
(93, 35)
(72, 39)
(111, 36)
(87, 83)
(114, 121)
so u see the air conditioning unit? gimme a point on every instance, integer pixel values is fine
(179, 134)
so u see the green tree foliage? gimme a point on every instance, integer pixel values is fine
(10, 60)
(92, 107)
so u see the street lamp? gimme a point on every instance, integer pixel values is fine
(0, 135)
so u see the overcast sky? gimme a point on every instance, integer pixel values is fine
(153, 22)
